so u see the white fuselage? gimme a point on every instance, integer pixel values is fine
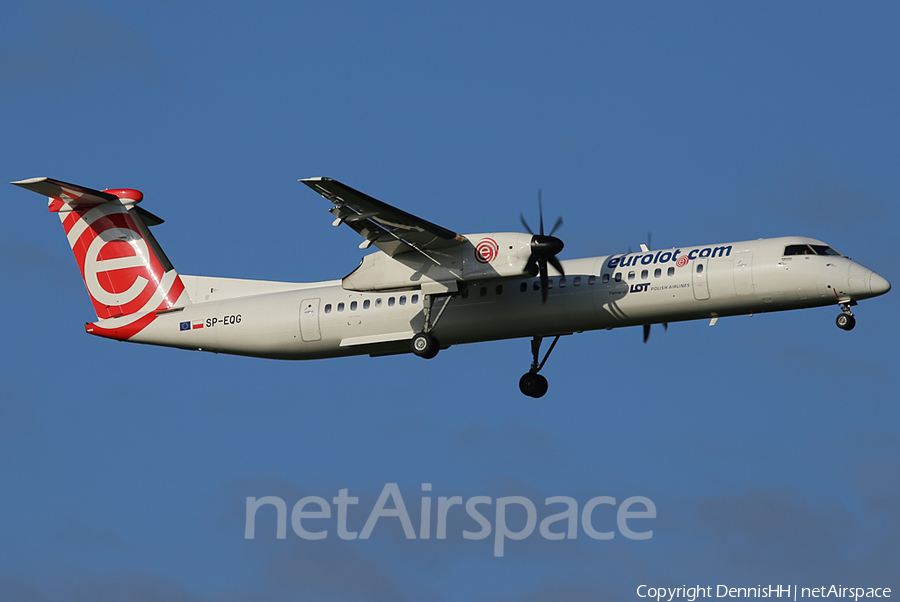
(323, 319)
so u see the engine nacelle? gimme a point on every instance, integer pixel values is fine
(482, 257)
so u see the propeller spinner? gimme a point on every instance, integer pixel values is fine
(544, 248)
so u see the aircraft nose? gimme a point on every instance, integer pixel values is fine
(878, 285)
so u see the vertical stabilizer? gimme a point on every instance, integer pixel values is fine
(128, 277)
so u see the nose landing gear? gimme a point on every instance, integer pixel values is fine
(533, 384)
(846, 320)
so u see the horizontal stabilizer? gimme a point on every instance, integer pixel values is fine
(149, 218)
(71, 194)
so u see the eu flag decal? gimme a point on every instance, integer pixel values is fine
(185, 326)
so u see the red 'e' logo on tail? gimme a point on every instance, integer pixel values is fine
(122, 275)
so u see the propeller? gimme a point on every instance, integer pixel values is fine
(544, 248)
(646, 248)
(647, 330)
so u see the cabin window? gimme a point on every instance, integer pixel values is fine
(605, 278)
(592, 279)
(536, 286)
(402, 299)
(328, 308)
(415, 299)
(523, 287)
(340, 307)
(366, 304)
(377, 302)
(391, 302)
(483, 291)
(631, 275)
(618, 277)
(549, 283)
(499, 289)
(657, 273)
(562, 282)
(699, 268)
(353, 306)
(671, 271)
(577, 281)
(645, 274)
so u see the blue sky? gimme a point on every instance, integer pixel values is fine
(769, 445)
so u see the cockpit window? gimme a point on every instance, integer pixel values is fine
(825, 250)
(798, 250)
(810, 250)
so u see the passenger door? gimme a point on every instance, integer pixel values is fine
(700, 275)
(743, 272)
(309, 320)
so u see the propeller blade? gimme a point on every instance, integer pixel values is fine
(665, 326)
(531, 265)
(559, 222)
(524, 223)
(556, 264)
(544, 280)
(541, 211)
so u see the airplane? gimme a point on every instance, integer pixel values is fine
(427, 288)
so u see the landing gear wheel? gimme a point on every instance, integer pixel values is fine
(425, 345)
(846, 321)
(533, 385)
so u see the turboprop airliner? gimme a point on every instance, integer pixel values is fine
(426, 288)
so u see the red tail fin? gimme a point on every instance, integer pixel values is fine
(124, 270)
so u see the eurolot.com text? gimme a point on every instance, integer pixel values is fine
(559, 517)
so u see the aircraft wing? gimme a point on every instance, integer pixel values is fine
(390, 229)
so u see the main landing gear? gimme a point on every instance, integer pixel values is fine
(533, 384)
(424, 344)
